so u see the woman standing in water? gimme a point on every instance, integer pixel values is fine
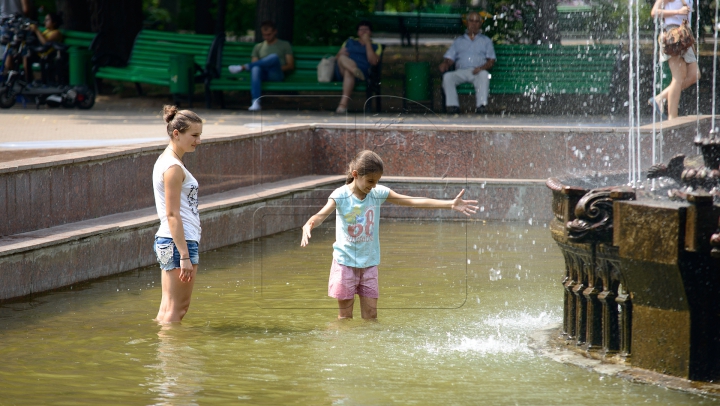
(176, 200)
(683, 67)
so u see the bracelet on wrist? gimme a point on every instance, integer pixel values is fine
(182, 259)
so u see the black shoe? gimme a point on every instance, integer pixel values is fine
(480, 110)
(453, 110)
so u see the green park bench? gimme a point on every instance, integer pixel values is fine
(556, 70)
(407, 23)
(302, 79)
(153, 54)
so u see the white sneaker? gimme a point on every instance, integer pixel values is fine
(255, 106)
(236, 68)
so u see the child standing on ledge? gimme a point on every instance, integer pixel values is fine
(356, 251)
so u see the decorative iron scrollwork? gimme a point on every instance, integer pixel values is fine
(594, 213)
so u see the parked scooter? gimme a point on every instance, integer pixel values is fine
(81, 97)
(19, 41)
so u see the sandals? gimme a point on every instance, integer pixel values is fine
(658, 110)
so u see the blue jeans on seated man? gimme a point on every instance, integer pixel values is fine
(267, 69)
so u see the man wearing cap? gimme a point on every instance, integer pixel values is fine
(473, 55)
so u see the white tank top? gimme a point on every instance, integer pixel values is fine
(677, 5)
(188, 199)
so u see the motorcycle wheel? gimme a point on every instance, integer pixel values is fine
(6, 99)
(86, 102)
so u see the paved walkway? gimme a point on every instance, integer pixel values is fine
(30, 132)
(129, 120)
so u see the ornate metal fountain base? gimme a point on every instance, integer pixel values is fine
(640, 282)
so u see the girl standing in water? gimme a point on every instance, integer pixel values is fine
(176, 200)
(356, 251)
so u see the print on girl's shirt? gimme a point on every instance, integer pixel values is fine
(362, 229)
(192, 198)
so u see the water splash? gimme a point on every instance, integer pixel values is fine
(506, 333)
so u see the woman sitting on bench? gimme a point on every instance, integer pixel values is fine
(354, 60)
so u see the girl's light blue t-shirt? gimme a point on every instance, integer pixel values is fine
(357, 222)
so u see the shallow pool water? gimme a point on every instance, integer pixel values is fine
(457, 303)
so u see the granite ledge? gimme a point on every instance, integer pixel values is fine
(141, 218)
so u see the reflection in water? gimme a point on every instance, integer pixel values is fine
(452, 335)
(180, 367)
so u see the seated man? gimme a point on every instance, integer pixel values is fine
(270, 60)
(473, 55)
(354, 59)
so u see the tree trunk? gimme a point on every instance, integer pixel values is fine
(220, 19)
(281, 12)
(75, 14)
(545, 29)
(117, 24)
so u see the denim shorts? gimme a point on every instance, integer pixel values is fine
(168, 255)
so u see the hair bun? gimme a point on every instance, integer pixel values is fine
(169, 112)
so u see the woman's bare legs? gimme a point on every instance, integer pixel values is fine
(175, 296)
(679, 69)
(347, 69)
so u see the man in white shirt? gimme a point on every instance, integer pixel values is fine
(473, 55)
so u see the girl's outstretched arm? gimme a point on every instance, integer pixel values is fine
(465, 207)
(316, 220)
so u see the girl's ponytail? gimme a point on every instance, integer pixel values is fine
(365, 162)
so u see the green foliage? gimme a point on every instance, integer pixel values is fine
(403, 5)
(156, 18)
(505, 20)
(185, 19)
(240, 16)
(327, 22)
(45, 6)
(612, 18)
